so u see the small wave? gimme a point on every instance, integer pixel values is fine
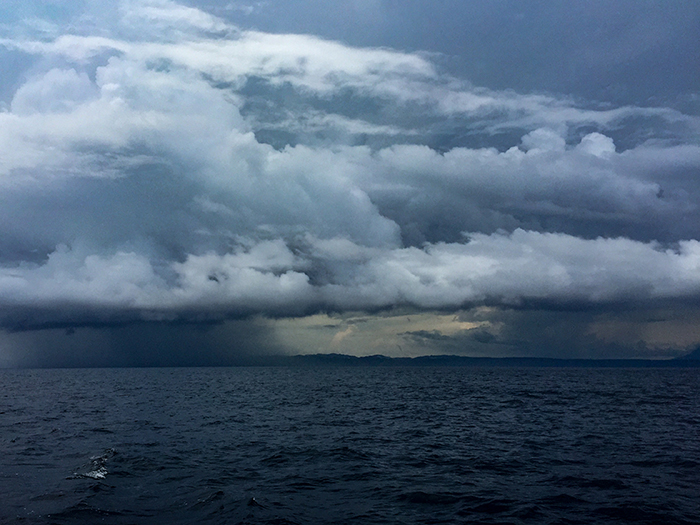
(349, 453)
(641, 514)
(50, 496)
(211, 498)
(562, 499)
(101, 430)
(100, 473)
(95, 468)
(304, 485)
(275, 459)
(427, 498)
(582, 482)
(83, 512)
(495, 506)
(252, 502)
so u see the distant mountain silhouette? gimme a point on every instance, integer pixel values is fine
(692, 356)
(455, 360)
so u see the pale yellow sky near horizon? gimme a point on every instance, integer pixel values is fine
(363, 334)
(669, 333)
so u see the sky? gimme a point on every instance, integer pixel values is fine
(206, 182)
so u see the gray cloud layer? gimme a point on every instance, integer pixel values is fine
(158, 163)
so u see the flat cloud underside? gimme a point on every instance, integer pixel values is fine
(176, 167)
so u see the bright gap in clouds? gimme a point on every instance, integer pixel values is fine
(162, 168)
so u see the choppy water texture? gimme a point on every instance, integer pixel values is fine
(350, 445)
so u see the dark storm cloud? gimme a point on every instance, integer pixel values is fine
(158, 164)
(140, 344)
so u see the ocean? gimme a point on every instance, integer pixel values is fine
(317, 445)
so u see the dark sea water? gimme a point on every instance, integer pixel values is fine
(350, 445)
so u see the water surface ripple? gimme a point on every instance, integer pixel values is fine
(350, 445)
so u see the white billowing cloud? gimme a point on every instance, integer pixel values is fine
(270, 277)
(127, 105)
(597, 145)
(166, 14)
(179, 120)
(544, 140)
(143, 154)
(504, 268)
(58, 91)
(543, 178)
(67, 277)
(304, 61)
(205, 44)
(261, 278)
(521, 266)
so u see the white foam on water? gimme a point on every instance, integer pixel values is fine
(100, 473)
(96, 468)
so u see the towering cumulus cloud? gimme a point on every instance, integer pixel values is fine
(159, 164)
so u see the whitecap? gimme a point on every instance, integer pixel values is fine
(95, 469)
(100, 473)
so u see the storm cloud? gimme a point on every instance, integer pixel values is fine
(159, 164)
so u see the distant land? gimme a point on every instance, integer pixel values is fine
(691, 360)
(694, 355)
